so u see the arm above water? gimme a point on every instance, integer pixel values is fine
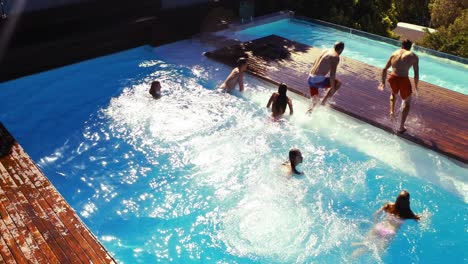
(380, 211)
(241, 81)
(291, 111)
(272, 98)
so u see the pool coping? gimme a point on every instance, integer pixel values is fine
(287, 14)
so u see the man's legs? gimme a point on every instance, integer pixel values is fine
(314, 98)
(404, 113)
(331, 92)
(392, 106)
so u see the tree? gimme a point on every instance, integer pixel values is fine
(444, 12)
(413, 11)
(453, 39)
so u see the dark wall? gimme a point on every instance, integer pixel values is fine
(54, 37)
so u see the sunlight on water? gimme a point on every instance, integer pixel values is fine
(198, 175)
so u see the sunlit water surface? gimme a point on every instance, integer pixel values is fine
(196, 176)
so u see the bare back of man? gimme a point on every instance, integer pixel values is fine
(325, 64)
(401, 62)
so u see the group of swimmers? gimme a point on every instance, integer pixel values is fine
(401, 62)
(326, 64)
(384, 230)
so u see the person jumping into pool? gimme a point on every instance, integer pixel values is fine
(401, 61)
(279, 100)
(155, 89)
(326, 63)
(383, 232)
(295, 161)
(235, 77)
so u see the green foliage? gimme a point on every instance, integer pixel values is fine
(444, 12)
(413, 11)
(452, 39)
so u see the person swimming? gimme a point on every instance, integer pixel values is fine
(279, 100)
(383, 232)
(295, 159)
(155, 89)
(235, 77)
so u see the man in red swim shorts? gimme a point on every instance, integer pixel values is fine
(401, 61)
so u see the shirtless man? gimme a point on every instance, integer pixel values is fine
(401, 61)
(326, 63)
(235, 77)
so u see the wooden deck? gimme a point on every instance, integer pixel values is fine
(37, 225)
(438, 117)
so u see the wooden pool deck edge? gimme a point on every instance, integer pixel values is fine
(37, 224)
(274, 69)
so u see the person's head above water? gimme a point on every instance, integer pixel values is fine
(295, 157)
(401, 207)
(242, 63)
(406, 44)
(282, 89)
(339, 47)
(155, 89)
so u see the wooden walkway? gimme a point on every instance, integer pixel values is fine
(37, 225)
(438, 117)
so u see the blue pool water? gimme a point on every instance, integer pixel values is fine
(196, 176)
(442, 72)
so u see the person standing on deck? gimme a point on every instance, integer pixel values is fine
(401, 61)
(326, 63)
(235, 77)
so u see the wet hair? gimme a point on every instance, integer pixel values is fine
(339, 45)
(282, 100)
(401, 207)
(241, 61)
(406, 44)
(152, 90)
(293, 153)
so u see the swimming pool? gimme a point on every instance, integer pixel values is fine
(196, 175)
(442, 72)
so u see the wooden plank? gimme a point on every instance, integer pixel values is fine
(80, 236)
(38, 225)
(39, 217)
(438, 117)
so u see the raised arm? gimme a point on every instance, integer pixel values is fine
(384, 73)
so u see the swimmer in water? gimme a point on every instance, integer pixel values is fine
(279, 101)
(155, 89)
(295, 159)
(383, 232)
(235, 77)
